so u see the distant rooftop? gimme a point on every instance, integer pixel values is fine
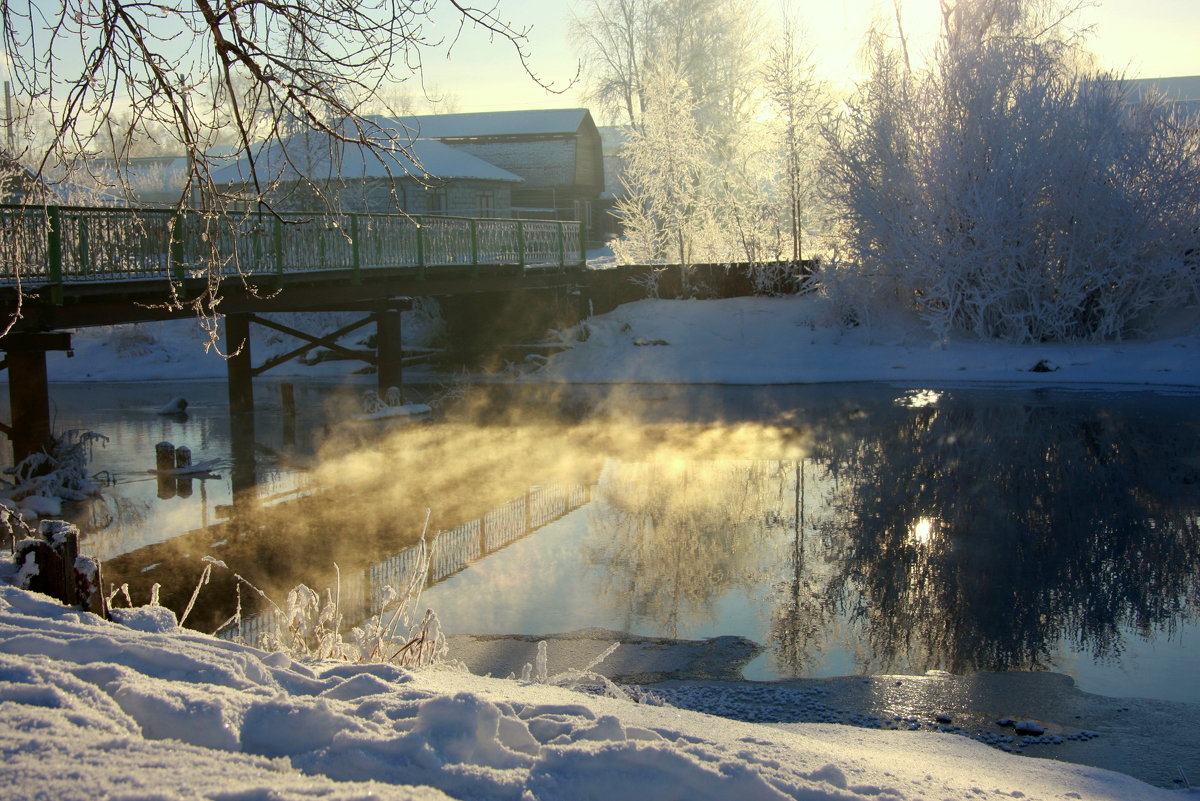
(496, 123)
(1182, 92)
(320, 157)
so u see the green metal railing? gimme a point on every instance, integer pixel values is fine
(58, 245)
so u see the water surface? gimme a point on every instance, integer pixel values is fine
(854, 529)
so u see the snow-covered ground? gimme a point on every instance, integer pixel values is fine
(92, 709)
(796, 340)
(752, 340)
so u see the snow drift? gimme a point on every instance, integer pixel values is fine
(146, 710)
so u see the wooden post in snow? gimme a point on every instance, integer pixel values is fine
(50, 564)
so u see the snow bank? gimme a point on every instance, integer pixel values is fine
(799, 340)
(92, 709)
(733, 341)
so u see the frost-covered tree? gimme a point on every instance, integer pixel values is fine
(92, 77)
(684, 77)
(667, 202)
(1007, 192)
(614, 36)
(798, 100)
(705, 97)
(713, 44)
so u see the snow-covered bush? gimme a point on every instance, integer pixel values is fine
(1008, 193)
(39, 483)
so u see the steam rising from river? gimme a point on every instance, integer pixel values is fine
(484, 451)
(973, 535)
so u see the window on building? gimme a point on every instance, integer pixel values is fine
(583, 211)
(485, 204)
(435, 201)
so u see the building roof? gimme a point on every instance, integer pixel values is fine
(320, 157)
(1182, 92)
(496, 123)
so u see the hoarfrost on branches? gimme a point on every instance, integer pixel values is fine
(1007, 192)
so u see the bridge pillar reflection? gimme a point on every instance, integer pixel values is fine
(240, 372)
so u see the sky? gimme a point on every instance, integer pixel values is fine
(1144, 38)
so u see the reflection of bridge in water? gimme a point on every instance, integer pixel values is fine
(363, 593)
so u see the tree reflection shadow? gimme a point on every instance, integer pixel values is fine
(982, 534)
(962, 532)
(678, 535)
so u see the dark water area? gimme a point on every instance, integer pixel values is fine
(849, 529)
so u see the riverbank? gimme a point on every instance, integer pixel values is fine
(799, 340)
(732, 341)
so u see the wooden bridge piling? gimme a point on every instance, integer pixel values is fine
(29, 390)
(239, 369)
(389, 355)
(287, 405)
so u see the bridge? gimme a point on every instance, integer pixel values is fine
(64, 267)
(70, 267)
(79, 266)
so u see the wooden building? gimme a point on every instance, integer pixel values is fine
(557, 152)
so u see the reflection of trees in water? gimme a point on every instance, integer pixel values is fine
(802, 616)
(677, 535)
(978, 535)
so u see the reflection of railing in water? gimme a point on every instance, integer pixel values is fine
(361, 595)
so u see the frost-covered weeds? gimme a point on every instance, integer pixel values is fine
(584, 679)
(310, 625)
(373, 403)
(14, 528)
(41, 481)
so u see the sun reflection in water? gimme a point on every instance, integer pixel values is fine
(919, 398)
(921, 532)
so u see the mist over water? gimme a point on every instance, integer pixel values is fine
(848, 529)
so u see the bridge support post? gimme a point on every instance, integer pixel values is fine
(29, 398)
(29, 390)
(287, 404)
(389, 350)
(240, 372)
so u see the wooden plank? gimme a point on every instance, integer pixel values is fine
(327, 341)
(22, 342)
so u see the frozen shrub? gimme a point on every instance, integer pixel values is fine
(1008, 193)
(60, 471)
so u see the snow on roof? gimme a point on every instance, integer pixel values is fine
(320, 157)
(496, 123)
